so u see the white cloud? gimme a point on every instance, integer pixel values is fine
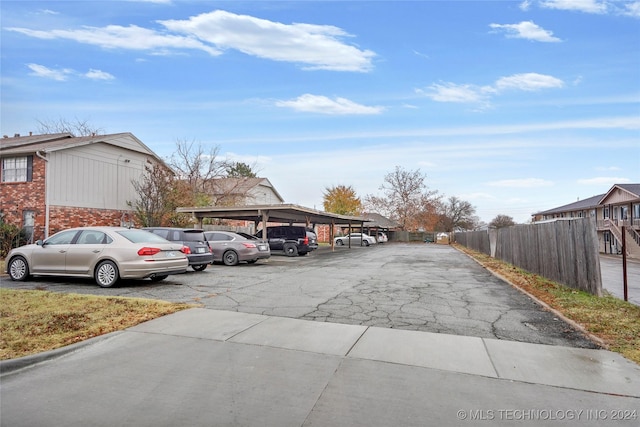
(322, 104)
(315, 46)
(603, 181)
(526, 30)
(528, 82)
(98, 75)
(525, 5)
(48, 73)
(522, 183)
(610, 168)
(587, 6)
(63, 74)
(632, 9)
(118, 37)
(466, 93)
(452, 92)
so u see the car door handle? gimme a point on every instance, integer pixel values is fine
(96, 251)
(62, 251)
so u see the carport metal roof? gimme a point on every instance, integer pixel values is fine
(287, 213)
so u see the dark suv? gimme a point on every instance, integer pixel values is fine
(199, 253)
(294, 240)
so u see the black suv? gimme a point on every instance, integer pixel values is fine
(199, 253)
(294, 240)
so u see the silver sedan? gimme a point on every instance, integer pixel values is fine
(107, 254)
(361, 239)
(232, 248)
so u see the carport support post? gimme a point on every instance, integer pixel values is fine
(331, 233)
(265, 219)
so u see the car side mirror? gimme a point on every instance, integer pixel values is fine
(39, 243)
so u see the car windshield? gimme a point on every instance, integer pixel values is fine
(141, 236)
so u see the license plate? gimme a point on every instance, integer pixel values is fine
(171, 254)
(262, 247)
(200, 250)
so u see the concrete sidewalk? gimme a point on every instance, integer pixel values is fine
(204, 367)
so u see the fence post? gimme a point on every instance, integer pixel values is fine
(624, 263)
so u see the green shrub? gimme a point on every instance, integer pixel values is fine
(11, 236)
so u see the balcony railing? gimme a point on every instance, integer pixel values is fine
(604, 224)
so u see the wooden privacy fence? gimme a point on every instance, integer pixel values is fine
(565, 251)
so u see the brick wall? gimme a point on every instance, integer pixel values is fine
(63, 217)
(16, 197)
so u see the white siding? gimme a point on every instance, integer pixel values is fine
(262, 195)
(618, 195)
(94, 176)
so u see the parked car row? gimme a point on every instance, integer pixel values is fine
(108, 254)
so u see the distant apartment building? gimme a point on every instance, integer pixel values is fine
(613, 211)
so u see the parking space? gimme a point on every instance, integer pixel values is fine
(430, 288)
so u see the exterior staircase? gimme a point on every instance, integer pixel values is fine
(632, 239)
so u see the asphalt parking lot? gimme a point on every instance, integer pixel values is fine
(432, 288)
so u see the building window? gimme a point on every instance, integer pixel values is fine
(28, 221)
(17, 169)
(605, 212)
(636, 211)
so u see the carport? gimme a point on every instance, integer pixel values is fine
(282, 213)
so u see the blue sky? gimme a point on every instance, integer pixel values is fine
(514, 106)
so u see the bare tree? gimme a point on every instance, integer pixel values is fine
(405, 200)
(501, 221)
(456, 214)
(196, 167)
(77, 127)
(159, 193)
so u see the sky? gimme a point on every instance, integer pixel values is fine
(514, 106)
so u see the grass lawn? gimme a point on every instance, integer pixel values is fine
(612, 320)
(36, 321)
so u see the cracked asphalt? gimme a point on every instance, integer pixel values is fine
(424, 287)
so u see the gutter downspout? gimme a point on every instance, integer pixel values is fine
(46, 193)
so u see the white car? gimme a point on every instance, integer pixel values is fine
(382, 237)
(361, 239)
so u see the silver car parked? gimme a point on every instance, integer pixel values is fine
(232, 248)
(361, 239)
(107, 254)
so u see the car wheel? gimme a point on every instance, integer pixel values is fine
(18, 269)
(366, 243)
(199, 267)
(339, 242)
(159, 278)
(290, 250)
(106, 274)
(230, 258)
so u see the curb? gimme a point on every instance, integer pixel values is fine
(11, 366)
(546, 306)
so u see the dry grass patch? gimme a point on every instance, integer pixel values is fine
(36, 321)
(615, 322)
